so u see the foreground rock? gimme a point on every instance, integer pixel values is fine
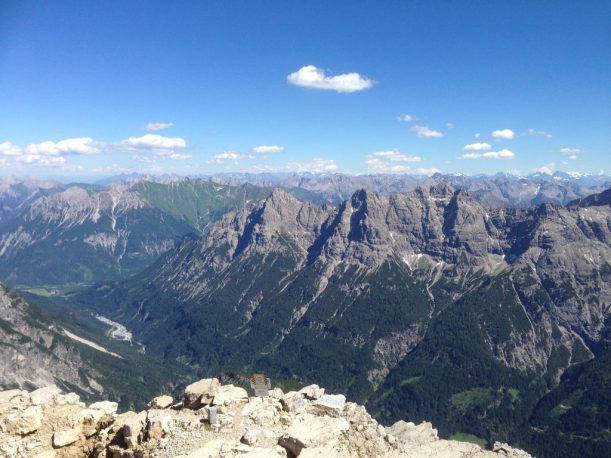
(221, 421)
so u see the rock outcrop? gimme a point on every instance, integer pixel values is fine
(223, 422)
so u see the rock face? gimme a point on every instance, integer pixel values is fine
(81, 234)
(432, 245)
(383, 296)
(36, 353)
(246, 427)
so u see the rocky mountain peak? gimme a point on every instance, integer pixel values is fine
(214, 420)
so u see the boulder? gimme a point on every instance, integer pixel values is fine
(131, 425)
(253, 436)
(24, 422)
(161, 402)
(6, 396)
(227, 394)
(200, 393)
(107, 407)
(410, 433)
(92, 420)
(159, 423)
(309, 431)
(44, 395)
(312, 392)
(330, 404)
(66, 437)
(262, 412)
(293, 401)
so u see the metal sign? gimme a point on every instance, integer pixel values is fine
(261, 384)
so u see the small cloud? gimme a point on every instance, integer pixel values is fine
(570, 151)
(228, 156)
(573, 157)
(506, 134)
(450, 125)
(406, 118)
(478, 147)
(502, 154)
(159, 125)
(112, 169)
(268, 149)
(478, 135)
(537, 133)
(154, 142)
(548, 169)
(427, 171)
(144, 159)
(389, 162)
(172, 155)
(395, 156)
(315, 165)
(313, 77)
(426, 132)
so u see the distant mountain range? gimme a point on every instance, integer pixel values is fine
(426, 304)
(56, 234)
(72, 234)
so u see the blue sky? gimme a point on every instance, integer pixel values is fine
(89, 89)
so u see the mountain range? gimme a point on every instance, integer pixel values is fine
(423, 303)
(54, 234)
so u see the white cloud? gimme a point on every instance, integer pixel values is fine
(450, 125)
(502, 154)
(81, 145)
(406, 118)
(395, 156)
(538, 133)
(9, 149)
(478, 135)
(570, 151)
(172, 155)
(113, 169)
(506, 134)
(315, 78)
(50, 153)
(315, 165)
(229, 156)
(268, 149)
(547, 168)
(39, 159)
(573, 157)
(389, 162)
(155, 141)
(159, 125)
(427, 171)
(478, 147)
(144, 159)
(426, 132)
(380, 166)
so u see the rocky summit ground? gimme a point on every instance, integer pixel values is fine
(214, 420)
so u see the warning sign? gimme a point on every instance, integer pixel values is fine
(261, 384)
